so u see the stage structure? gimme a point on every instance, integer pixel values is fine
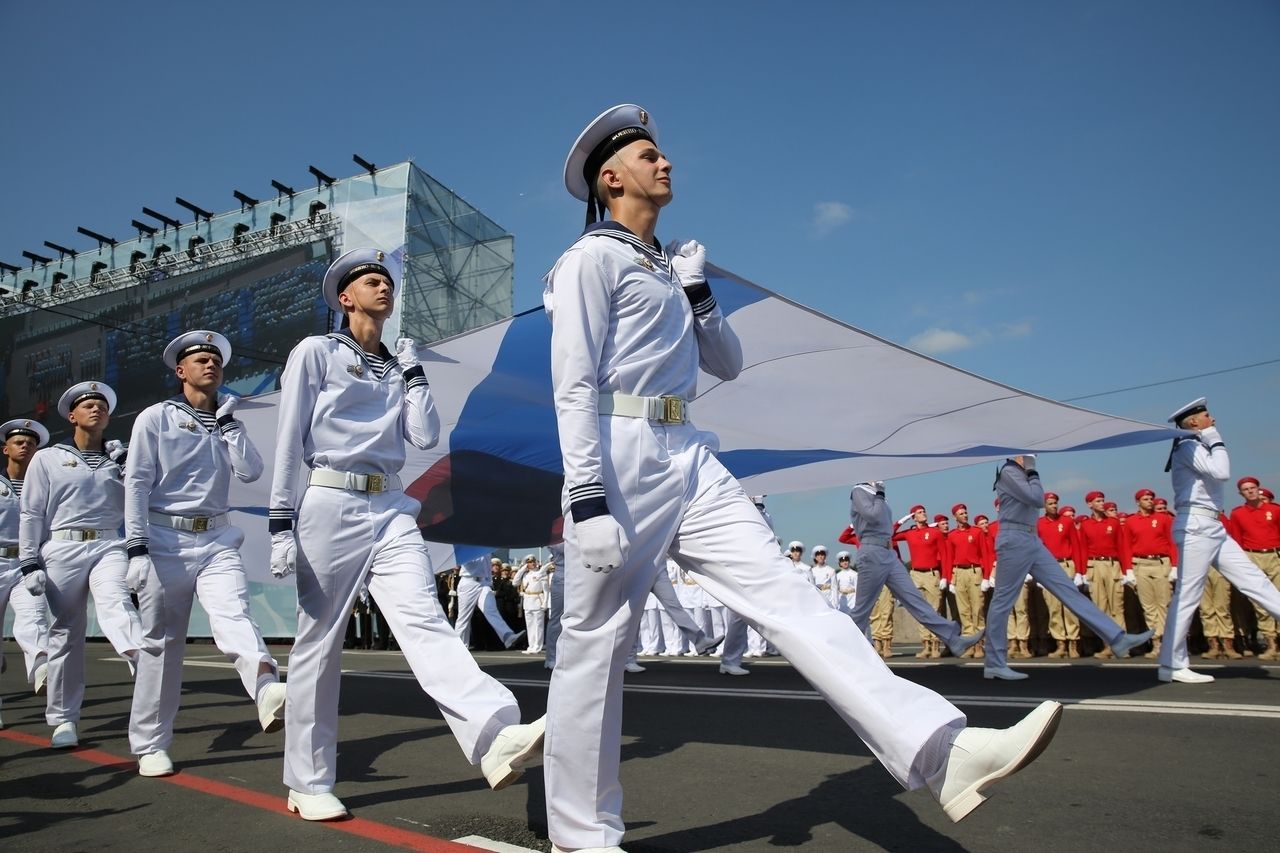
(252, 273)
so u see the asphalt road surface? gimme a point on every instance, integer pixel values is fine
(710, 762)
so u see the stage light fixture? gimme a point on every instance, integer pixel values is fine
(191, 245)
(169, 221)
(58, 278)
(101, 238)
(314, 209)
(9, 268)
(135, 259)
(196, 209)
(162, 249)
(63, 251)
(143, 228)
(238, 232)
(281, 188)
(96, 270)
(277, 219)
(35, 259)
(29, 285)
(364, 164)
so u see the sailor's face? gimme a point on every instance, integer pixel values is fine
(20, 448)
(372, 293)
(202, 370)
(643, 170)
(91, 415)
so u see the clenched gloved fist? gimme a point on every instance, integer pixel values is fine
(1173, 575)
(227, 406)
(34, 582)
(139, 570)
(1129, 579)
(407, 353)
(942, 584)
(602, 542)
(1210, 436)
(1079, 580)
(284, 554)
(986, 584)
(689, 260)
(116, 451)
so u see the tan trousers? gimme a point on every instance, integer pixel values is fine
(1215, 606)
(882, 616)
(927, 583)
(1019, 624)
(1063, 624)
(1270, 565)
(1154, 591)
(1105, 587)
(967, 584)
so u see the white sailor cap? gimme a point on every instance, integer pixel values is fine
(495, 562)
(529, 558)
(350, 266)
(819, 549)
(613, 129)
(1194, 407)
(200, 340)
(758, 500)
(22, 426)
(843, 555)
(795, 543)
(82, 391)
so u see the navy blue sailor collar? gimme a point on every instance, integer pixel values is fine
(181, 402)
(618, 231)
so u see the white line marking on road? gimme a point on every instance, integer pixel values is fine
(489, 844)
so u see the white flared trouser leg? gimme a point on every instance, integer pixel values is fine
(535, 622)
(672, 638)
(650, 632)
(343, 538)
(1203, 542)
(190, 565)
(30, 617)
(735, 639)
(684, 621)
(555, 612)
(473, 595)
(681, 499)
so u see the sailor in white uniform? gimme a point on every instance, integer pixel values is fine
(475, 589)
(534, 587)
(21, 437)
(69, 543)
(631, 323)
(347, 406)
(182, 455)
(1200, 467)
(846, 583)
(824, 575)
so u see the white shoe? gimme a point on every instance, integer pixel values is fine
(556, 849)
(1003, 673)
(634, 667)
(513, 639)
(981, 757)
(155, 764)
(41, 680)
(1128, 643)
(514, 749)
(730, 669)
(316, 806)
(65, 736)
(1183, 676)
(271, 709)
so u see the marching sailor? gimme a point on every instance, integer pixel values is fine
(69, 544)
(182, 455)
(475, 589)
(347, 406)
(631, 323)
(21, 439)
(1200, 468)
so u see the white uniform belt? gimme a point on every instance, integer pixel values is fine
(369, 483)
(1016, 525)
(667, 410)
(83, 534)
(8, 551)
(1207, 512)
(193, 523)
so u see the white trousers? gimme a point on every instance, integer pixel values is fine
(535, 621)
(689, 631)
(1203, 542)
(879, 567)
(74, 569)
(554, 612)
(757, 646)
(1023, 553)
(30, 619)
(735, 639)
(471, 593)
(672, 496)
(190, 565)
(650, 632)
(345, 538)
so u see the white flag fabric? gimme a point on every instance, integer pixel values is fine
(495, 478)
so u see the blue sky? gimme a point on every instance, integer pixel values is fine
(1069, 198)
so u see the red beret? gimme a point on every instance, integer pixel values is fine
(940, 517)
(1067, 510)
(959, 507)
(1240, 483)
(1092, 496)
(1053, 495)
(1161, 500)
(917, 508)
(1268, 494)
(1137, 496)
(980, 518)
(1109, 505)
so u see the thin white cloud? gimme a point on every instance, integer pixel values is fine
(936, 341)
(1016, 330)
(830, 215)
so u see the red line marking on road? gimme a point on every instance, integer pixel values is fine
(267, 802)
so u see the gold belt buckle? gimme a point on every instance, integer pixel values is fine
(88, 535)
(199, 524)
(672, 410)
(376, 483)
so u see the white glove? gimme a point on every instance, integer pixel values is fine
(34, 582)
(139, 570)
(942, 584)
(1039, 585)
(406, 353)
(1129, 579)
(1028, 461)
(689, 260)
(986, 584)
(1173, 575)
(284, 554)
(1078, 579)
(602, 543)
(1209, 435)
(115, 450)
(227, 406)
(1027, 579)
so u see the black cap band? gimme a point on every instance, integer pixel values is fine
(364, 269)
(607, 148)
(91, 395)
(20, 431)
(1192, 411)
(192, 350)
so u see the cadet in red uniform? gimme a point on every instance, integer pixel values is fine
(970, 574)
(927, 549)
(1107, 550)
(1153, 556)
(1255, 525)
(1059, 535)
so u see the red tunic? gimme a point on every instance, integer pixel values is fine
(1105, 538)
(1061, 537)
(1151, 535)
(968, 547)
(1256, 528)
(928, 548)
